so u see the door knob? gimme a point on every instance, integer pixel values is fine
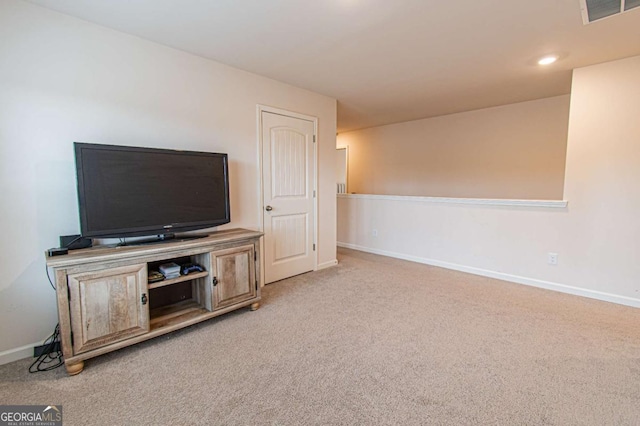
(268, 208)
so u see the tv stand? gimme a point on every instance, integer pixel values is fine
(105, 301)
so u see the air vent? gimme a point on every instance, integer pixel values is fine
(592, 10)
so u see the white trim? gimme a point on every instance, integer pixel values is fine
(562, 288)
(325, 265)
(316, 191)
(16, 354)
(584, 12)
(556, 204)
(346, 178)
(259, 110)
(286, 113)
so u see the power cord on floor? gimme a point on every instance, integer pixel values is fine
(51, 356)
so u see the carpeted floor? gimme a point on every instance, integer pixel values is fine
(371, 341)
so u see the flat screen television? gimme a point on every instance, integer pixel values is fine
(127, 191)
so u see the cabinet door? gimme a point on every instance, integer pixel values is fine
(234, 276)
(108, 306)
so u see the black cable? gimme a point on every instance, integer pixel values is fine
(50, 355)
(49, 278)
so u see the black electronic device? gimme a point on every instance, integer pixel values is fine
(187, 268)
(59, 251)
(75, 242)
(129, 191)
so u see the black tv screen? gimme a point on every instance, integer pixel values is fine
(127, 191)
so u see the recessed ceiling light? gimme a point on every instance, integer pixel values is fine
(547, 60)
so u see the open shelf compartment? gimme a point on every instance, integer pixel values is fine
(176, 313)
(179, 299)
(180, 279)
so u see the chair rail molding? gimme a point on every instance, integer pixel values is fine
(558, 204)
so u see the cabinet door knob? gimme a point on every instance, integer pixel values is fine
(268, 208)
(215, 281)
(144, 299)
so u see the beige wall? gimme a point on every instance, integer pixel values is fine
(512, 151)
(64, 80)
(597, 237)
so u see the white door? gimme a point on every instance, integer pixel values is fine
(288, 191)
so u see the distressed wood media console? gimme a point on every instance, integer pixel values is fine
(105, 301)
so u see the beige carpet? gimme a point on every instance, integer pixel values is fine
(371, 341)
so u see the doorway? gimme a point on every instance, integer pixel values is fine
(288, 182)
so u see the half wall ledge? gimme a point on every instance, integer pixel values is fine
(555, 204)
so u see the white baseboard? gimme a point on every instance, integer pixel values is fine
(562, 288)
(328, 264)
(18, 353)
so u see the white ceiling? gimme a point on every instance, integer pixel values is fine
(385, 61)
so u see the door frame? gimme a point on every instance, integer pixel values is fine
(265, 108)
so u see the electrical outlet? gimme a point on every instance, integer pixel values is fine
(552, 258)
(42, 349)
(374, 232)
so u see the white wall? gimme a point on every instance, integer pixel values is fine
(64, 80)
(597, 237)
(511, 151)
